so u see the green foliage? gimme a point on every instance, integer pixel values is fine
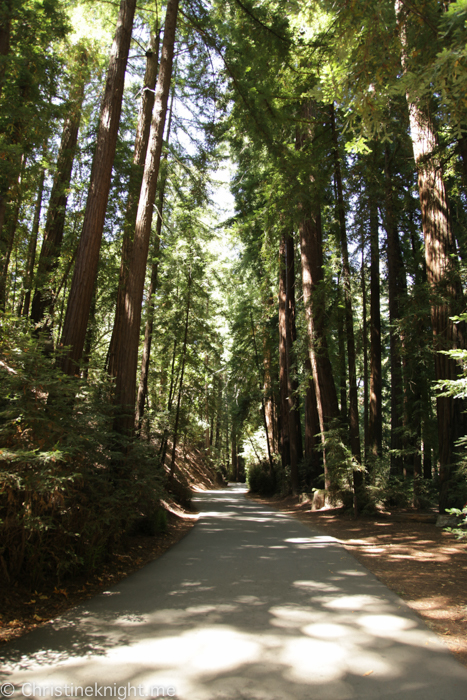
(339, 460)
(460, 531)
(263, 482)
(63, 506)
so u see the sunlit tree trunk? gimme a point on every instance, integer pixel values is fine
(312, 427)
(87, 259)
(134, 188)
(148, 331)
(283, 379)
(127, 354)
(349, 323)
(313, 296)
(441, 265)
(32, 247)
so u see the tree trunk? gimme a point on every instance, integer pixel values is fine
(311, 426)
(395, 286)
(351, 354)
(261, 386)
(8, 235)
(6, 12)
(143, 379)
(134, 188)
(313, 295)
(44, 297)
(283, 379)
(180, 386)
(375, 424)
(87, 259)
(146, 356)
(366, 430)
(296, 450)
(267, 389)
(31, 260)
(442, 267)
(127, 354)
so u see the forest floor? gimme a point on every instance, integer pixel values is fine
(424, 565)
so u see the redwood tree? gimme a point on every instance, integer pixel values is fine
(87, 258)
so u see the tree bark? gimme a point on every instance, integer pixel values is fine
(87, 259)
(31, 259)
(283, 379)
(8, 232)
(134, 188)
(148, 331)
(375, 424)
(127, 355)
(180, 386)
(44, 296)
(6, 15)
(313, 295)
(442, 266)
(312, 427)
(351, 354)
(366, 430)
(296, 450)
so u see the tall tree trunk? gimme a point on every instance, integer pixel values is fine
(173, 382)
(366, 430)
(312, 427)
(311, 251)
(87, 259)
(441, 263)
(8, 235)
(143, 379)
(127, 354)
(375, 424)
(296, 450)
(311, 248)
(351, 354)
(283, 379)
(134, 188)
(44, 297)
(261, 386)
(341, 356)
(31, 259)
(148, 331)
(234, 455)
(180, 386)
(6, 15)
(267, 389)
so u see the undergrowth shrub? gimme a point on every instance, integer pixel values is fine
(263, 482)
(63, 501)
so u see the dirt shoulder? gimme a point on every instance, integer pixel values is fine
(424, 565)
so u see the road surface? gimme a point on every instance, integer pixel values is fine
(250, 605)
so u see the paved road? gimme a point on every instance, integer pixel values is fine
(251, 605)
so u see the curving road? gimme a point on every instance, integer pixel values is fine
(251, 605)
